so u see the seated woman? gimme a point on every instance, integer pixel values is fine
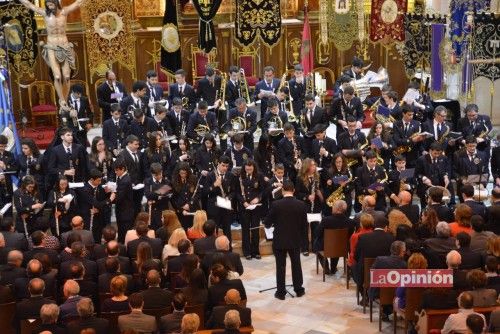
(170, 222)
(366, 221)
(132, 234)
(196, 291)
(416, 261)
(196, 231)
(170, 248)
(119, 302)
(190, 263)
(483, 297)
(463, 215)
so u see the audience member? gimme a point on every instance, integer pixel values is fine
(470, 259)
(78, 255)
(190, 263)
(142, 229)
(493, 212)
(112, 266)
(38, 240)
(108, 234)
(368, 206)
(456, 323)
(88, 288)
(491, 268)
(439, 298)
(366, 223)
(49, 313)
(133, 235)
(119, 301)
(463, 214)
(4, 250)
(397, 218)
(437, 247)
(171, 323)
(77, 227)
(34, 269)
(405, 205)
(232, 322)
(71, 292)
(136, 320)
(443, 212)
(13, 239)
(220, 285)
(196, 231)
(478, 281)
(190, 323)
(453, 261)
(174, 263)
(154, 296)
(12, 270)
(233, 260)
(206, 245)
(170, 248)
(85, 309)
(475, 324)
(233, 302)
(478, 208)
(479, 236)
(170, 223)
(30, 308)
(196, 291)
(113, 250)
(426, 228)
(416, 261)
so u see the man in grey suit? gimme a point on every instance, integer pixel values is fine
(77, 227)
(171, 323)
(136, 320)
(233, 300)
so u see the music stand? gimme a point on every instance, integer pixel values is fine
(477, 180)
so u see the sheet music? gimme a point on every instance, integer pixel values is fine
(253, 206)
(223, 203)
(138, 186)
(269, 232)
(73, 185)
(38, 210)
(313, 217)
(111, 186)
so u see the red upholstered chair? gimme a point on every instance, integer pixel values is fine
(200, 61)
(247, 60)
(43, 102)
(164, 78)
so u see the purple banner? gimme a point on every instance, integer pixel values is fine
(437, 35)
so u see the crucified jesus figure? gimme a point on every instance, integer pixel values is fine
(58, 53)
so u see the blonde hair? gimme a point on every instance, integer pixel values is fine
(367, 221)
(304, 171)
(190, 323)
(493, 246)
(177, 235)
(396, 218)
(200, 218)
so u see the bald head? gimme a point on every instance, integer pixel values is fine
(113, 248)
(34, 268)
(222, 243)
(153, 278)
(15, 257)
(404, 197)
(369, 202)
(232, 297)
(71, 288)
(36, 287)
(453, 259)
(339, 207)
(77, 223)
(2, 240)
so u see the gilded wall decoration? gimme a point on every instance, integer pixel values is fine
(258, 18)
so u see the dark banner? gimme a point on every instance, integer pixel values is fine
(170, 41)
(262, 17)
(417, 44)
(387, 20)
(207, 10)
(21, 38)
(486, 48)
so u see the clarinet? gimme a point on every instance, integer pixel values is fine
(92, 212)
(320, 156)
(25, 225)
(57, 218)
(191, 202)
(71, 167)
(313, 192)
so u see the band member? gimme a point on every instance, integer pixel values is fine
(395, 184)
(62, 200)
(370, 180)
(308, 189)
(142, 126)
(134, 160)
(80, 108)
(290, 151)
(136, 100)
(157, 151)
(273, 121)
(289, 217)
(249, 116)
(433, 169)
(407, 140)
(154, 92)
(285, 107)
(202, 122)
(391, 102)
(274, 189)
(250, 196)
(178, 119)
(381, 142)
(476, 125)
(109, 93)
(495, 164)
(186, 194)
(342, 82)
(157, 190)
(8, 167)
(233, 87)
(323, 147)
(102, 160)
(207, 156)
(182, 90)
(68, 158)
(352, 142)
(298, 87)
(125, 206)
(356, 70)
(310, 116)
(238, 153)
(28, 206)
(220, 183)
(342, 108)
(419, 103)
(438, 127)
(115, 130)
(339, 180)
(162, 123)
(181, 154)
(265, 156)
(94, 204)
(208, 87)
(266, 89)
(470, 162)
(30, 163)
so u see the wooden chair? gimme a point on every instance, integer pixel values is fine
(164, 78)
(413, 302)
(386, 297)
(334, 245)
(158, 312)
(7, 312)
(112, 317)
(200, 61)
(97, 116)
(27, 326)
(248, 329)
(367, 264)
(42, 100)
(199, 310)
(103, 297)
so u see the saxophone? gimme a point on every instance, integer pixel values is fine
(353, 161)
(444, 135)
(338, 194)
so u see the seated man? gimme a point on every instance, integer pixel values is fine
(436, 248)
(207, 244)
(136, 320)
(232, 322)
(456, 323)
(142, 229)
(470, 259)
(71, 292)
(483, 297)
(453, 261)
(154, 296)
(232, 300)
(220, 285)
(48, 315)
(85, 309)
(222, 244)
(113, 250)
(171, 323)
(30, 308)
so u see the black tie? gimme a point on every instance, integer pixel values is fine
(152, 92)
(181, 89)
(135, 157)
(406, 128)
(77, 107)
(439, 128)
(68, 150)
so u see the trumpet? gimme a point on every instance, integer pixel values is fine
(221, 94)
(244, 87)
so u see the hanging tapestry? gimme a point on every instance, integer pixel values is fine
(486, 46)
(108, 34)
(387, 20)
(261, 17)
(21, 36)
(417, 44)
(437, 73)
(171, 59)
(343, 27)
(206, 35)
(459, 26)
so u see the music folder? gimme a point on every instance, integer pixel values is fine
(377, 142)
(384, 111)
(339, 179)
(375, 185)
(313, 217)
(407, 173)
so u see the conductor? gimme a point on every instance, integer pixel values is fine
(289, 217)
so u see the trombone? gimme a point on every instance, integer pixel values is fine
(221, 94)
(244, 87)
(292, 118)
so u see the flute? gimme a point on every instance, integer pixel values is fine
(25, 228)
(149, 212)
(313, 192)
